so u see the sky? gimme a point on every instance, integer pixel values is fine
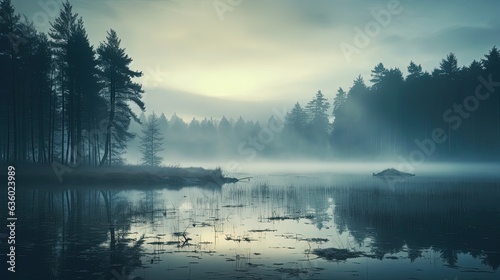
(256, 57)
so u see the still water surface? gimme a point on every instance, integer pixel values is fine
(268, 228)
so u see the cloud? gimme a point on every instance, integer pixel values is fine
(282, 51)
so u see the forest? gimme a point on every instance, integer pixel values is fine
(459, 106)
(68, 101)
(63, 99)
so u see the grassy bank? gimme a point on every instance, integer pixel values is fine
(119, 176)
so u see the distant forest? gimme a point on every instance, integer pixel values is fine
(64, 100)
(395, 116)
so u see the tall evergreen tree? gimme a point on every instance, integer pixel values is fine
(194, 127)
(449, 66)
(60, 33)
(10, 38)
(224, 128)
(296, 120)
(119, 89)
(491, 64)
(85, 101)
(35, 92)
(414, 71)
(151, 142)
(338, 102)
(378, 74)
(318, 125)
(240, 129)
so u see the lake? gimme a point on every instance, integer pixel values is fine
(276, 226)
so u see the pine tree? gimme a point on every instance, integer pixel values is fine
(151, 142)
(120, 90)
(10, 35)
(34, 85)
(296, 120)
(224, 128)
(378, 74)
(240, 129)
(338, 102)
(60, 33)
(318, 116)
(194, 128)
(491, 63)
(414, 71)
(449, 66)
(85, 102)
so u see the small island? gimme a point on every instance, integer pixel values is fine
(391, 172)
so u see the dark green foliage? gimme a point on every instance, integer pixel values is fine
(56, 100)
(389, 118)
(119, 90)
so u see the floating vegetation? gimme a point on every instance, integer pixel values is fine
(262, 230)
(239, 239)
(296, 236)
(203, 224)
(155, 243)
(334, 254)
(233, 206)
(315, 240)
(273, 218)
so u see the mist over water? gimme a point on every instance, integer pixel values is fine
(311, 167)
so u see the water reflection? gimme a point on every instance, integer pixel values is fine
(451, 217)
(265, 229)
(75, 234)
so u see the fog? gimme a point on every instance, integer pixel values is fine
(299, 167)
(277, 147)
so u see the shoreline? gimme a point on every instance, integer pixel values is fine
(44, 175)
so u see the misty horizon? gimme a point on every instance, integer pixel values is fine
(250, 139)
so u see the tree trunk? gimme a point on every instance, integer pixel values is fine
(62, 115)
(107, 146)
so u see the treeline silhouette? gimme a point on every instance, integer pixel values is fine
(207, 137)
(453, 112)
(279, 136)
(63, 100)
(66, 101)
